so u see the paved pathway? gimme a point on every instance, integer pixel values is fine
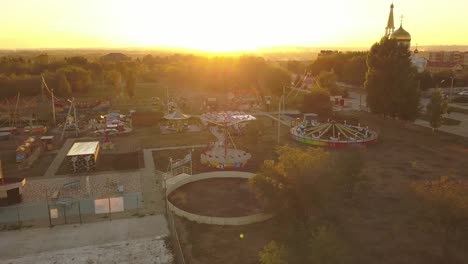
(150, 250)
(460, 130)
(14, 244)
(152, 181)
(54, 166)
(284, 122)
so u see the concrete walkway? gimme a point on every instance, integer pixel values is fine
(286, 123)
(14, 244)
(152, 250)
(152, 181)
(55, 165)
(460, 130)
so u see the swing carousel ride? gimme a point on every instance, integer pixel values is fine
(223, 154)
(332, 134)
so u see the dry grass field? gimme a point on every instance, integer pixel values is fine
(383, 225)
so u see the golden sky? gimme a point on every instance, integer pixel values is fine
(222, 25)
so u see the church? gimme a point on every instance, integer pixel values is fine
(401, 35)
(404, 38)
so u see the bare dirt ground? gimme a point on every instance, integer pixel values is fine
(222, 244)
(217, 197)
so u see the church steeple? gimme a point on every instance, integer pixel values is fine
(390, 24)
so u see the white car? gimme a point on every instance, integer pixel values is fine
(463, 93)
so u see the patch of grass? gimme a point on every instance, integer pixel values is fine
(458, 109)
(446, 120)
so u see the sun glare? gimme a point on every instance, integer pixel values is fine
(215, 26)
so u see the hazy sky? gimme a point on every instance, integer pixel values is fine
(224, 25)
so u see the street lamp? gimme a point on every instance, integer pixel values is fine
(451, 88)
(280, 104)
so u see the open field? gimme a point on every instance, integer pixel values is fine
(383, 224)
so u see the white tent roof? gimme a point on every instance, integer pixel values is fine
(226, 118)
(176, 115)
(83, 148)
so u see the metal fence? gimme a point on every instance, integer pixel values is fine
(177, 248)
(70, 211)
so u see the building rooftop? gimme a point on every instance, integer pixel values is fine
(83, 148)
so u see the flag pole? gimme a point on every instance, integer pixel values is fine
(191, 162)
(170, 161)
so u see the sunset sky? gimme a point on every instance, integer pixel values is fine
(222, 25)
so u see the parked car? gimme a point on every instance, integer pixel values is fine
(463, 93)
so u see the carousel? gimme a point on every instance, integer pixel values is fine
(176, 122)
(223, 153)
(332, 134)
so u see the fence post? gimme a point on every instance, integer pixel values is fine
(48, 213)
(138, 205)
(79, 211)
(18, 215)
(65, 214)
(110, 213)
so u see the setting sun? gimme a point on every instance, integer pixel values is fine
(220, 25)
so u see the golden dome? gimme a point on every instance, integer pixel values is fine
(401, 35)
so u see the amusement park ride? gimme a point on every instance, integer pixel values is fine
(220, 155)
(331, 133)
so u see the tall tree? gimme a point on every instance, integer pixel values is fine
(318, 102)
(79, 78)
(390, 81)
(436, 108)
(131, 84)
(327, 80)
(275, 78)
(115, 78)
(64, 88)
(286, 185)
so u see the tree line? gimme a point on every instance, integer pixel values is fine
(77, 75)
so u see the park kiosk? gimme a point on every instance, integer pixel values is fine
(11, 189)
(83, 156)
(47, 142)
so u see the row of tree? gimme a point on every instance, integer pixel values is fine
(78, 74)
(349, 67)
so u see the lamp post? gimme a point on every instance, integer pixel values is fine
(451, 90)
(280, 103)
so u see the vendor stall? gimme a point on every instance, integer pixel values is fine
(83, 156)
(11, 189)
(47, 142)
